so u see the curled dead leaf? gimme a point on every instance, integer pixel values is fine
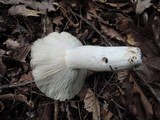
(19, 97)
(142, 5)
(10, 43)
(111, 33)
(106, 114)
(91, 104)
(21, 53)
(135, 100)
(22, 10)
(26, 77)
(2, 67)
(131, 40)
(58, 20)
(1, 106)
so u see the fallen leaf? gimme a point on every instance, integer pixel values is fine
(147, 46)
(19, 97)
(48, 28)
(91, 104)
(42, 6)
(11, 72)
(1, 106)
(105, 113)
(26, 77)
(22, 10)
(20, 54)
(2, 52)
(111, 33)
(2, 67)
(154, 62)
(58, 20)
(149, 70)
(131, 40)
(135, 100)
(11, 44)
(155, 24)
(142, 5)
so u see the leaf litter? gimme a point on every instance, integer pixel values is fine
(132, 94)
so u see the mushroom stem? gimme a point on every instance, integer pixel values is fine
(98, 58)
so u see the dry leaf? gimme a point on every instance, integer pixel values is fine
(13, 71)
(147, 47)
(106, 114)
(42, 6)
(2, 67)
(48, 28)
(149, 70)
(2, 52)
(154, 62)
(10, 43)
(135, 100)
(1, 106)
(142, 5)
(111, 33)
(58, 20)
(131, 40)
(22, 10)
(20, 54)
(26, 77)
(92, 104)
(156, 28)
(19, 97)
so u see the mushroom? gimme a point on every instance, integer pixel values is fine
(60, 63)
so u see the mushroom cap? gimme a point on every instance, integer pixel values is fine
(51, 73)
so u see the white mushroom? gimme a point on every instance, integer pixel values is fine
(60, 63)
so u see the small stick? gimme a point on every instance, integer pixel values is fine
(15, 85)
(56, 110)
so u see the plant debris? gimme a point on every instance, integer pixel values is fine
(123, 95)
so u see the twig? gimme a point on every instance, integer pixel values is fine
(55, 110)
(15, 85)
(152, 91)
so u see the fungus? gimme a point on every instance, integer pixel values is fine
(60, 63)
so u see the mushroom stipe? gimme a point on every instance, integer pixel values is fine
(60, 63)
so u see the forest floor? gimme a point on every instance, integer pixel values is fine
(123, 95)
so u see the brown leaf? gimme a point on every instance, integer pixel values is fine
(147, 47)
(11, 72)
(58, 20)
(19, 97)
(26, 77)
(135, 100)
(22, 10)
(42, 6)
(131, 40)
(1, 106)
(142, 5)
(11, 44)
(2, 67)
(2, 52)
(149, 70)
(111, 33)
(154, 62)
(92, 104)
(105, 113)
(155, 23)
(20, 54)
